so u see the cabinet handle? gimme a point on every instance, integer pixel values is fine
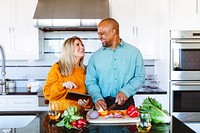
(196, 6)
(133, 32)
(13, 29)
(133, 35)
(9, 30)
(137, 32)
(187, 84)
(22, 102)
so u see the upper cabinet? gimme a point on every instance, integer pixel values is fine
(184, 14)
(139, 24)
(18, 36)
(122, 12)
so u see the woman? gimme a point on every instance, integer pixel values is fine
(67, 75)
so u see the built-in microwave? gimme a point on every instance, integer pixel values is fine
(185, 55)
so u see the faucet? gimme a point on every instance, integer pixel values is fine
(3, 70)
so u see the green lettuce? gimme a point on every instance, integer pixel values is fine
(69, 115)
(154, 108)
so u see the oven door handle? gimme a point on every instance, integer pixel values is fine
(187, 41)
(187, 84)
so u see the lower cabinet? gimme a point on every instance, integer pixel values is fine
(2, 102)
(18, 103)
(161, 98)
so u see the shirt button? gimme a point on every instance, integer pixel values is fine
(114, 59)
(115, 69)
(115, 78)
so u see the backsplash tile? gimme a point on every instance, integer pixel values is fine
(21, 72)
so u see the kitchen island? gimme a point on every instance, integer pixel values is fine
(42, 124)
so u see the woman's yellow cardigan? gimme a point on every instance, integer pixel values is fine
(53, 89)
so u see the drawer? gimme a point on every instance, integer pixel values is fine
(22, 102)
(2, 102)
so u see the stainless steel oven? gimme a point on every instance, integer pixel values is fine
(185, 103)
(185, 75)
(185, 96)
(185, 55)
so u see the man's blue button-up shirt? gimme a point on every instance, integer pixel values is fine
(110, 71)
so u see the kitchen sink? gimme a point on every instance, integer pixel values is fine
(15, 121)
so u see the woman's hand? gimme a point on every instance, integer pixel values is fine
(69, 84)
(83, 102)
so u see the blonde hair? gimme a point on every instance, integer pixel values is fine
(67, 58)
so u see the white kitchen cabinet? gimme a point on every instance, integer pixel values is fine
(146, 27)
(185, 14)
(2, 102)
(161, 98)
(18, 36)
(122, 12)
(5, 29)
(139, 24)
(19, 102)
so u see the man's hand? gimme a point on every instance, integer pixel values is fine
(100, 104)
(121, 98)
(69, 85)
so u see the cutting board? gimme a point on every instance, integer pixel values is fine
(106, 120)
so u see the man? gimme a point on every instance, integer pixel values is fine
(115, 70)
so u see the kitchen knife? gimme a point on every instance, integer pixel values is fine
(112, 106)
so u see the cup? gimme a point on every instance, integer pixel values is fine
(144, 124)
(11, 86)
(54, 111)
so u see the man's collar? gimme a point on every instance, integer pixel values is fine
(121, 44)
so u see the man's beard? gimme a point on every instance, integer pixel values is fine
(105, 45)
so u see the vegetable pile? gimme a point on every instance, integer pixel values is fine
(71, 118)
(131, 112)
(154, 108)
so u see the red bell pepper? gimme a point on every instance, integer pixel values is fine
(132, 111)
